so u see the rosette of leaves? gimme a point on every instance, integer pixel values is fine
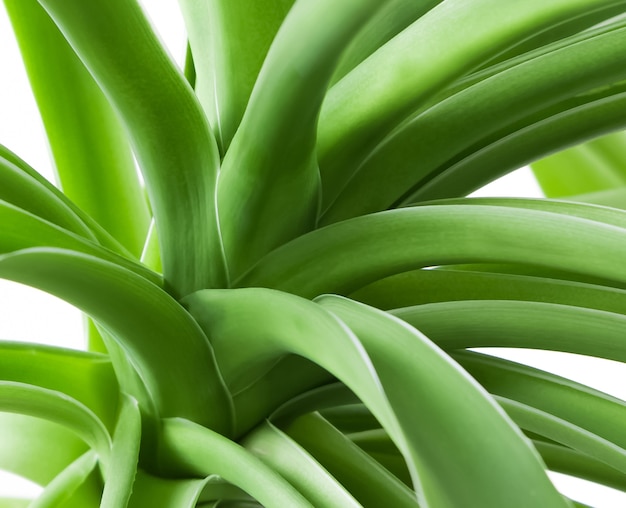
(281, 314)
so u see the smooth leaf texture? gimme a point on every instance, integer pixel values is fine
(199, 451)
(340, 258)
(92, 158)
(271, 165)
(178, 158)
(444, 452)
(165, 345)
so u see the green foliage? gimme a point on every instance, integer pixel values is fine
(304, 343)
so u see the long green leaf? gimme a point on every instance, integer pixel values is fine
(59, 408)
(419, 287)
(412, 67)
(92, 158)
(578, 404)
(165, 345)
(23, 187)
(122, 468)
(179, 157)
(151, 490)
(594, 166)
(438, 137)
(300, 468)
(65, 484)
(229, 41)
(33, 438)
(367, 480)
(341, 258)
(86, 377)
(444, 452)
(271, 165)
(196, 450)
(510, 323)
(22, 230)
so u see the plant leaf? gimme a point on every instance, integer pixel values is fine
(340, 258)
(165, 345)
(92, 158)
(271, 164)
(178, 158)
(188, 447)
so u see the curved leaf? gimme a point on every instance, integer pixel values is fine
(511, 323)
(59, 408)
(299, 468)
(398, 78)
(438, 137)
(271, 164)
(341, 258)
(65, 484)
(179, 157)
(86, 377)
(92, 158)
(188, 447)
(168, 349)
(443, 452)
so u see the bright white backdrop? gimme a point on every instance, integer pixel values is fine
(29, 315)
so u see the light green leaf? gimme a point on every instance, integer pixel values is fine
(188, 447)
(61, 489)
(86, 377)
(341, 258)
(165, 345)
(122, 467)
(437, 138)
(300, 468)
(33, 438)
(365, 479)
(578, 404)
(597, 165)
(271, 165)
(178, 157)
(229, 41)
(511, 323)
(92, 158)
(59, 408)
(442, 452)
(415, 65)
(151, 490)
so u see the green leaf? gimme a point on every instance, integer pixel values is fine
(511, 323)
(178, 157)
(573, 402)
(442, 452)
(67, 483)
(597, 165)
(188, 447)
(151, 490)
(229, 41)
(365, 479)
(437, 138)
(165, 345)
(59, 408)
(420, 287)
(398, 78)
(271, 165)
(122, 467)
(86, 377)
(22, 230)
(92, 158)
(565, 433)
(33, 438)
(27, 189)
(340, 258)
(299, 468)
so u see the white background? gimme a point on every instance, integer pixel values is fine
(29, 315)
